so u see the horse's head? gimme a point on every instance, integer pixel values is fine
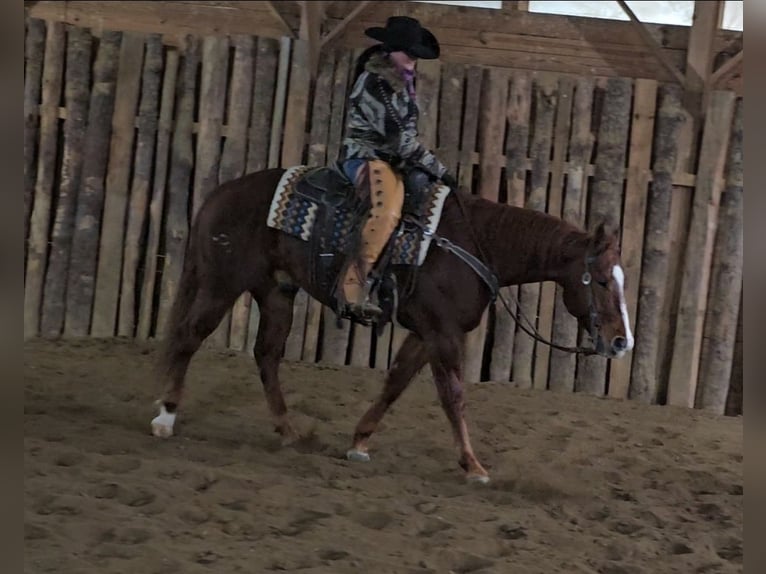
(594, 293)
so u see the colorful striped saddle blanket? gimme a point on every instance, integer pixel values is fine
(304, 191)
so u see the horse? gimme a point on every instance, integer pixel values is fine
(231, 250)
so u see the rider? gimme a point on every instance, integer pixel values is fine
(381, 131)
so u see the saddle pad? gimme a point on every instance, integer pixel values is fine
(296, 215)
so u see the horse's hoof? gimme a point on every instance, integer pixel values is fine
(477, 478)
(162, 424)
(161, 431)
(357, 455)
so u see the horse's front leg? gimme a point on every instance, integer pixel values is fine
(447, 371)
(410, 358)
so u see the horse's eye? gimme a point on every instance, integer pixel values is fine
(604, 284)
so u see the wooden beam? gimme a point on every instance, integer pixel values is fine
(725, 70)
(652, 44)
(281, 19)
(699, 55)
(312, 15)
(344, 23)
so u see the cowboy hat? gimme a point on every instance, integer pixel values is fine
(404, 34)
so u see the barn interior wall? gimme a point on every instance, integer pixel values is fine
(126, 132)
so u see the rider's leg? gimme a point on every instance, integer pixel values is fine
(386, 197)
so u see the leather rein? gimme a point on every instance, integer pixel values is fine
(479, 266)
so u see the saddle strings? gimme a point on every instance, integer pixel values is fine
(519, 314)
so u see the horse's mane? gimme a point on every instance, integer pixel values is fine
(554, 236)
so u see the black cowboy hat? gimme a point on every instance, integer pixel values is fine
(404, 34)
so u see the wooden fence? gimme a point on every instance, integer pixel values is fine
(126, 133)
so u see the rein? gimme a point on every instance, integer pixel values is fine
(519, 314)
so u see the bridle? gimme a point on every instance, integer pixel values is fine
(482, 269)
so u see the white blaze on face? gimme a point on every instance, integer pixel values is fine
(619, 278)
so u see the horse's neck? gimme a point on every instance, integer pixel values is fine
(523, 245)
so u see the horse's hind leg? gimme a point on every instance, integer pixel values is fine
(410, 358)
(276, 308)
(188, 329)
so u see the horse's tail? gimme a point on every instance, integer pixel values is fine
(179, 319)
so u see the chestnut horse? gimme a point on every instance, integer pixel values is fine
(231, 251)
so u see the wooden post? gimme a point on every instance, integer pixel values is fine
(34, 51)
(148, 109)
(517, 142)
(233, 164)
(77, 95)
(157, 205)
(107, 291)
(540, 152)
(606, 199)
(555, 207)
(634, 216)
(81, 280)
(699, 250)
(179, 183)
(562, 365)
(720, 332)
(39, 224)
(654, 265)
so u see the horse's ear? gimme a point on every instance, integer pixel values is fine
(603, 236)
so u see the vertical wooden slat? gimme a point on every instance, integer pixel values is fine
(109, 266)
(280, 100)
(470, 126)
(317, 155)
(212, 105)
(82, 268)
(720, 332)
(428, 83)
(449, 121)
(654, 264)
(540, 151)
(292, 154)
(561, 367)
(142, 176)
(734, 400)
(233, 161)
(260, 136)
(699, 251)
(341, 85)
(555, 207)
(494, 102)
(606, 199)
(34, 50)
(179, 182)
(212, 102)
(77, 95)
(517, 142)
(157, 204)
(634, 217)
(39, 223)
(335, 340)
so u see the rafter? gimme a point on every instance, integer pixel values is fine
(281, 19)
(727, 68)
(343, 24)
(652, 44)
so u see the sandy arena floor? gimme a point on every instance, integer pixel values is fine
(580, 485)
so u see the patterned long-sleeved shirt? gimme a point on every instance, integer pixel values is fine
(383, 117)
